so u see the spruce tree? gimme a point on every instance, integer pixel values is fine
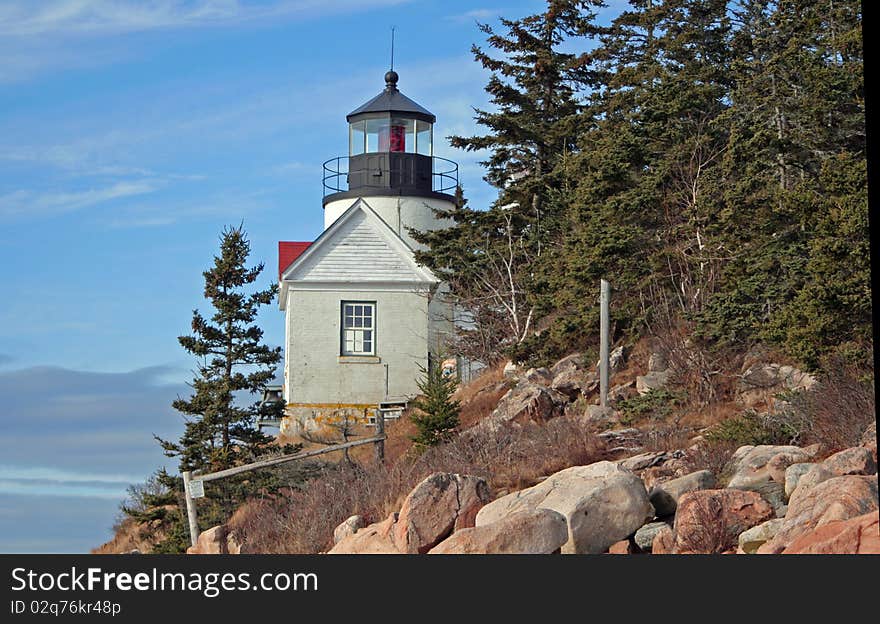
(535, 86)
(437, 413)
(232, 360)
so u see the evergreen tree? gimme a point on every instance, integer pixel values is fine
(437, 413)
(220, 433)
(536, 85)
(233, 363)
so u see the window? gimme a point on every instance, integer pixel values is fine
(358, 328)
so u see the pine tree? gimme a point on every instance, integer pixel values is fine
(535, 87)
(219, 432)
(437, 413)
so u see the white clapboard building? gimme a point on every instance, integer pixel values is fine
(361, 315)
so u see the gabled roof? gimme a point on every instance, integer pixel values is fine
(288, 251)
(359, 248)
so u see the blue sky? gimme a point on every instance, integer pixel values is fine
(131, 132)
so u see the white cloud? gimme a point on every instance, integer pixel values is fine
(27, 203)
(24, 18)
(480, 15)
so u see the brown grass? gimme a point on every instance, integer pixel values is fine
(510, 459)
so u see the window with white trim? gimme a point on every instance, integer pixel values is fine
(358, 328)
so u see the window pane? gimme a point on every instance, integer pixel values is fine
(359, 310)
(377, 133)
(368, 310)
(368, 335)
(356, 138)
(358, 322)
(423, 138)
(367, 347)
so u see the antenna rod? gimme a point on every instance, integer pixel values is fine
(392, 48)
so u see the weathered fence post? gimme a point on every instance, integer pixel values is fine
(604, 299)
(380, 433)
(190, 508)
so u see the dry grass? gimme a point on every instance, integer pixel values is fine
(510, 459)
(839, 408)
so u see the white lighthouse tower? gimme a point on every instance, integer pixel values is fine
(361, 316)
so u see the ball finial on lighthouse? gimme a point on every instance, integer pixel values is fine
(391, 80)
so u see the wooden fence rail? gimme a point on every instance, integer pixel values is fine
(193, 483)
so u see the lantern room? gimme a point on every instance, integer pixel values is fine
(390, 151)
(390, 122)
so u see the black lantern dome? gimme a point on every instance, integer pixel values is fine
(391, 151)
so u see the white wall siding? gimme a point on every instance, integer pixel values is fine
(316, 372)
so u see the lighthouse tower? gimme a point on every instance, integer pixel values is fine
(362, 318)
(391, 163)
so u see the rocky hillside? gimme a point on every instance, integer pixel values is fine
(650, 484)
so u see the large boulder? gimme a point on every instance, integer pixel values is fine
(655, 380)
(575, 382)
(440, 504)
(602, 504)
(575, 361)
(837, 498)
(374, 539)
(856, 536)
(761, 382)
(710, 521)
(211, 542)
(531, 531)
(348, 527)
(751, 465)
(852, 461)
(527, 402)
(752, 539)
(664, 497)
(793, 476)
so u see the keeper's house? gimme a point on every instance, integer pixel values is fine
(361, 315)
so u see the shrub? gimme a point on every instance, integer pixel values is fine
(656, 404)
(436, 413)
(751, 428)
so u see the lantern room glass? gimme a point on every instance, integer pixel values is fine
(424, 138)
(396, 134)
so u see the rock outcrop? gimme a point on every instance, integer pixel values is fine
(837, 498)
(711, 521)
(664, 497)
(375, 539)
(602, 504)
(856, 536)
(440, 504)
(531, 531)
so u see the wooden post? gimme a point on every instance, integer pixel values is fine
(190, 509)
(604, 299)
(380, 433)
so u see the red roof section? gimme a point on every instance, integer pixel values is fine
(288, 252)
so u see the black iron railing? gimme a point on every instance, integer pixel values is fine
(338, 176)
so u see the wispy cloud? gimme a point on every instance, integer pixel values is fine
(47, 481)
(479, 15)
(114, 17)
(40, 204)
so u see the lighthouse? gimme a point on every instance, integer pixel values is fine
(362, 317)
(391, 164)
